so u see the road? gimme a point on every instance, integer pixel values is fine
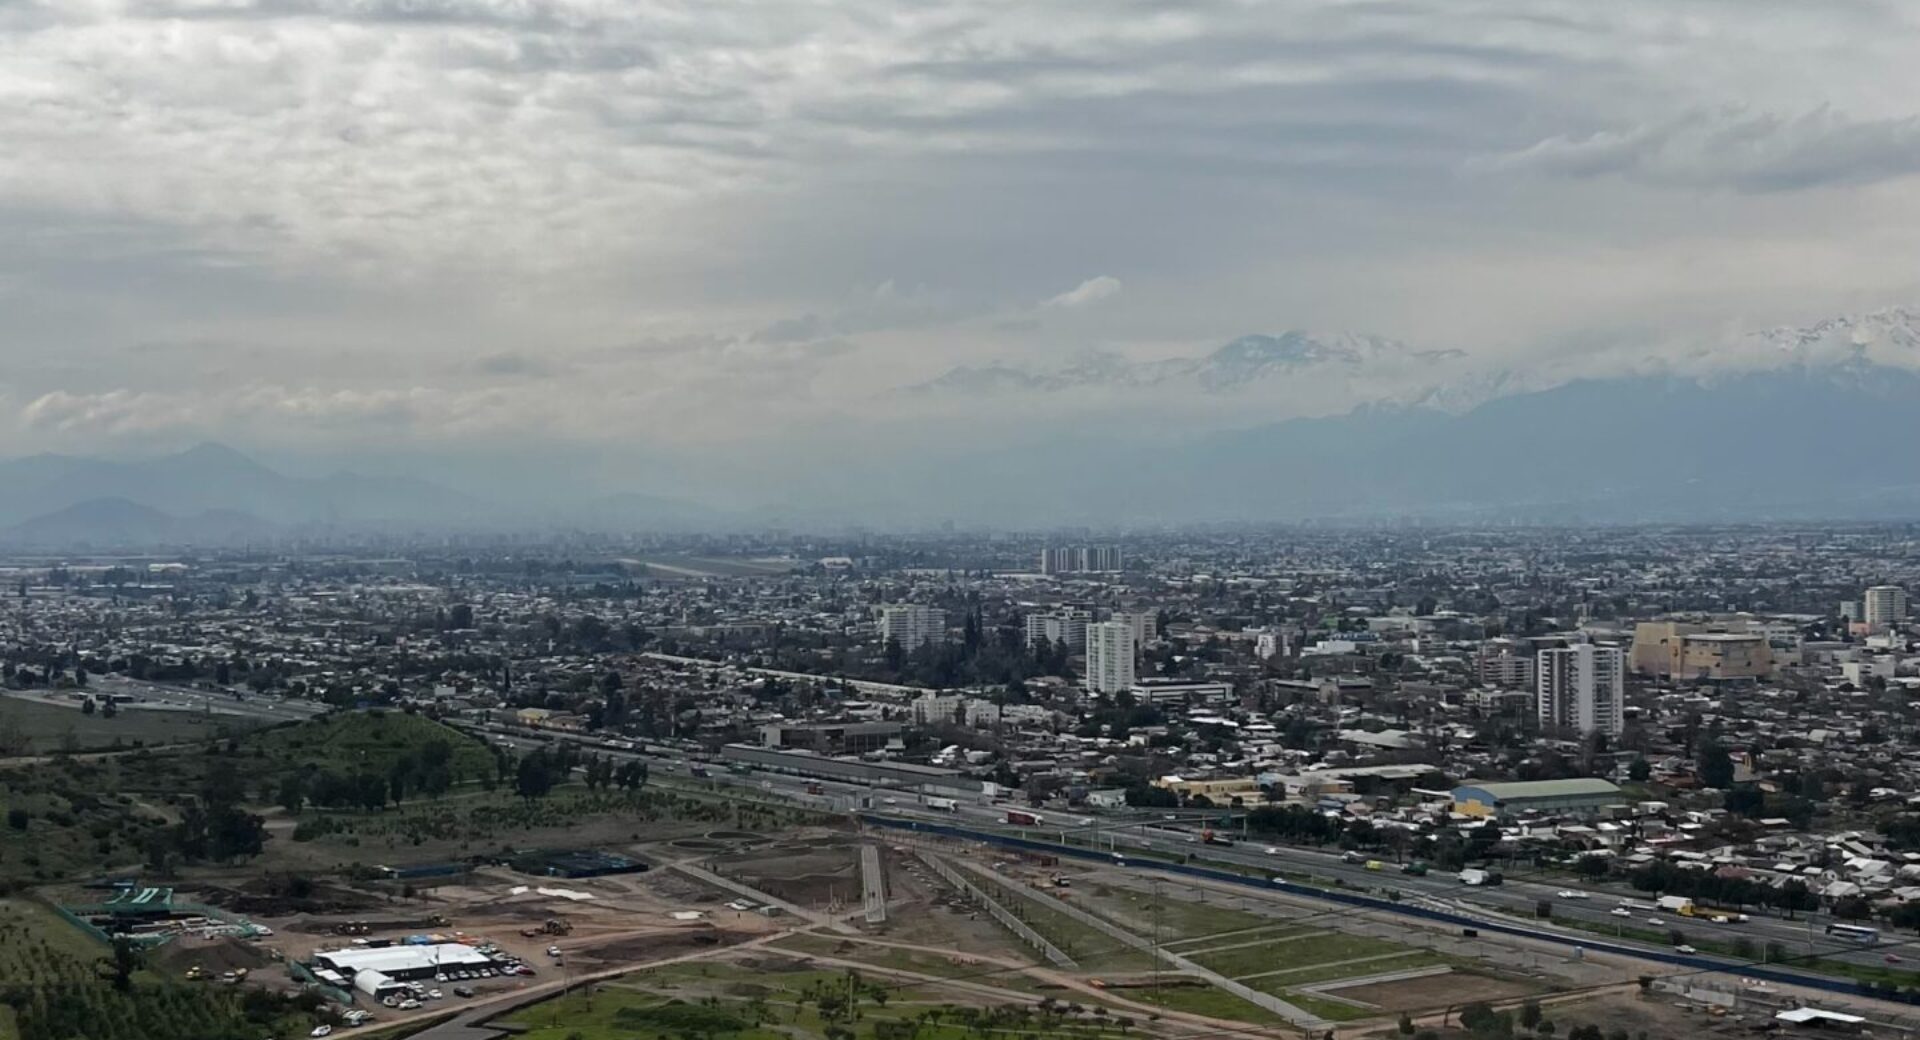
(165, 696)
(1135, 830)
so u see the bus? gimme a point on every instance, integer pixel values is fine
(1854, 932)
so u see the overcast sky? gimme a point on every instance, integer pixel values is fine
(728, 229)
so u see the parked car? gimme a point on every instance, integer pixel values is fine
(463, 991)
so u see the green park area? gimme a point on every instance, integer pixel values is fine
(32, 727)
(777, 1000)
(62, 985)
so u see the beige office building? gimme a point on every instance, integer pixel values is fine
(1678, 650)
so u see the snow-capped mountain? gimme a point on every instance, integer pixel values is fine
(1243, 363)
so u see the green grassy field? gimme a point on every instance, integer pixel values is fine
(32, 728)
(1303, 952)
(917, 961)
(38, 946)
(1091, 948)
(350, 742)
(1180, 920)
(768, 1003)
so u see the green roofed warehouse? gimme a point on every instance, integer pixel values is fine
(1503, 799)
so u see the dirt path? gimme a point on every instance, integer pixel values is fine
(1052, 977)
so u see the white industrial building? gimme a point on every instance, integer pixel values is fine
(401, 963)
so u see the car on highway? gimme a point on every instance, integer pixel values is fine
(1684, 948)
(1271, 850)
(1655, 920)
(321, 1030)
(1568, 893)
(1620, 911)
(553, 951)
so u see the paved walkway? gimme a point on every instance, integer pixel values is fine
(1270, 941)
(873, 881)
(1331, 964)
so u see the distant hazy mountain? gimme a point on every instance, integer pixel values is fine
(1244, 362)
(119, 523)
(215, 495)
(1831, 440)
(633, 511)
(214, 477)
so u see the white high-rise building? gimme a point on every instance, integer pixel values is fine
(912, 624)
(1080, 559)
(1110, 650)
(1583, 687)
(1067, 624)
(1884, 605)
(1146, 625)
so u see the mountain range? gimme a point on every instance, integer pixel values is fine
(1242, 363)
(214, 495)
(1817, 422)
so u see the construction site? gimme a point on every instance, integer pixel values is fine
(739, 917)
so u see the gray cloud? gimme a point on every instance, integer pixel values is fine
(510, 365)
(1734, 148)
(729, 224)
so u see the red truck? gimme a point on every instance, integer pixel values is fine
(1022, 818)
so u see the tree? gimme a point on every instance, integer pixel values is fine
(126, 961)
(293, 793)
(1529, 1014)
(86, 706)
(461, 616)
(1640, 771)
(1715, 764)
(1406, 1024)
(534, 777)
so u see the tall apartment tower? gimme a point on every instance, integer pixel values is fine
(1109, 657)
(1080, 559)
(912, 624)
(1065, 624)
(1583, 687)
(1884, 605)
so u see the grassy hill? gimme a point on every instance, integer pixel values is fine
(355, 741)
(70, 818)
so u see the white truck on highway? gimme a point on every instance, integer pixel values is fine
(1676, 905)
(1477, 878)
(943, 804)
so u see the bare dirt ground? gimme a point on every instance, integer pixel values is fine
(212, 956)
(808, 874)
(922, 909)
(1436, 991)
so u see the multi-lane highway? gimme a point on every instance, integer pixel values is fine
(1134, 831)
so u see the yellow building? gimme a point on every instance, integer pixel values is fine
(1678, 650)
(1217, 790)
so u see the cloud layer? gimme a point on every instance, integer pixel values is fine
(734, 229)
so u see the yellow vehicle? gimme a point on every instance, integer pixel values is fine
(1374, 864)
